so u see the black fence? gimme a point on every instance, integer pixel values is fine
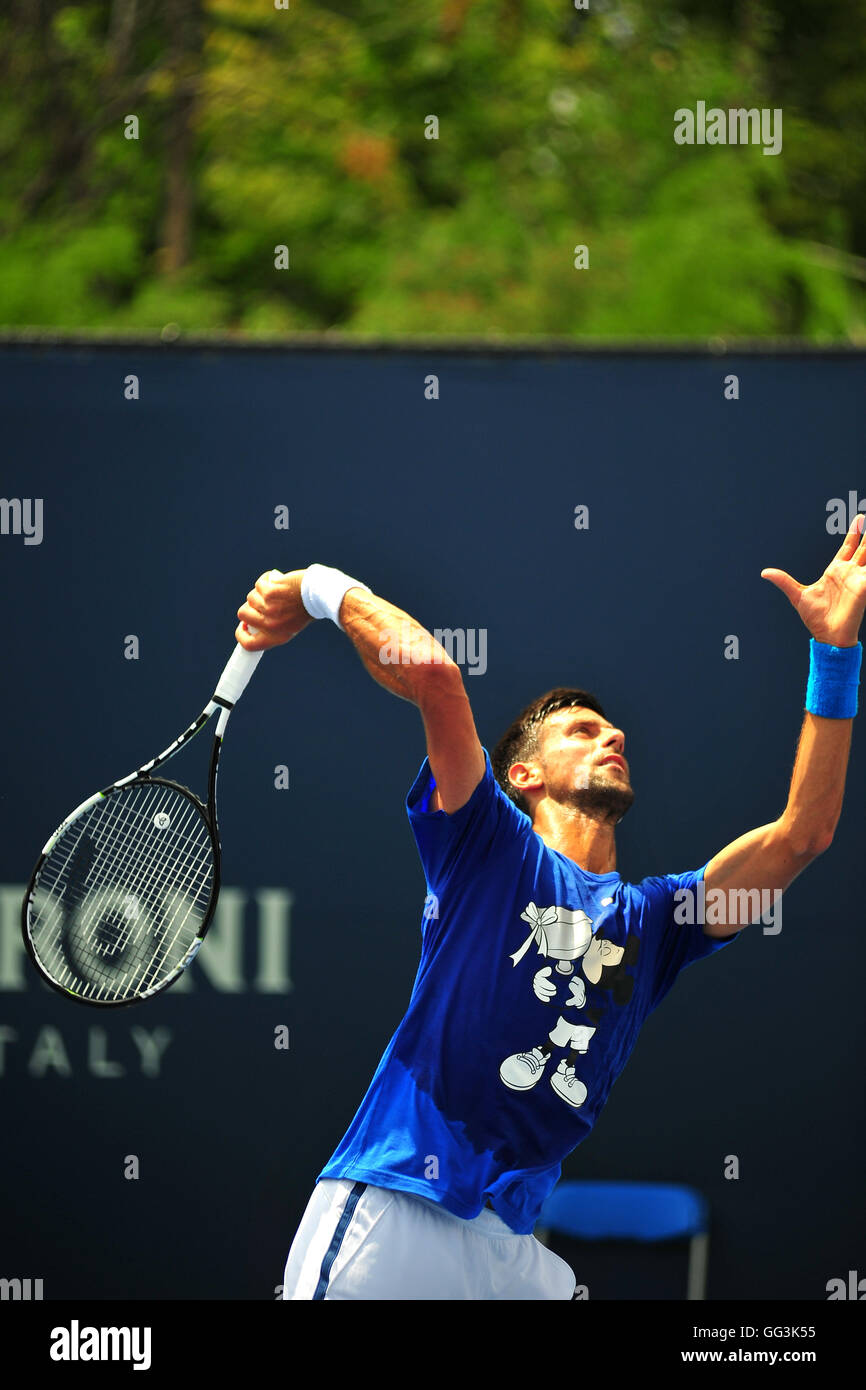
(567, 517)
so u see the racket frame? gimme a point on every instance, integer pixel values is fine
(141, 776)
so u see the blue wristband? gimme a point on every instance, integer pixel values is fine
(834, 675)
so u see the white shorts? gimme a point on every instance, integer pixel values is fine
(356, 1241)
(574, 1035)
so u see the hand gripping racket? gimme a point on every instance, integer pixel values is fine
(125, 889)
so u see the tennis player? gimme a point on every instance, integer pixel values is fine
(539, 963)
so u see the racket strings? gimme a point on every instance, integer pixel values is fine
(125, 823)
(183, 878)
(116, 925)
(121, 897)
(166, 864)
(147, 864)
(103, 836)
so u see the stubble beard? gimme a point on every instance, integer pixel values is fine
(602, 798)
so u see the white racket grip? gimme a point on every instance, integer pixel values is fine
(238, 670)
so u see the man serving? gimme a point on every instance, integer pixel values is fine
(539, 964)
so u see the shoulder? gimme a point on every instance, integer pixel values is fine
(423, 798)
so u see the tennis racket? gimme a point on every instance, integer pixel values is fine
(125, 889)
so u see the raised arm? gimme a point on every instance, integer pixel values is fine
(399, 654)
(772, 856)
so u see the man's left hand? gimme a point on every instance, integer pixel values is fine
(832, 608)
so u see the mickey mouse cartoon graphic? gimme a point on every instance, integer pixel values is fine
(565, 936)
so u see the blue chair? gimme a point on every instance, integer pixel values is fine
(641, 1211)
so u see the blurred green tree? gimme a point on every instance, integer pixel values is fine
(309, 127)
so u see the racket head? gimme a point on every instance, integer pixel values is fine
(123, 893)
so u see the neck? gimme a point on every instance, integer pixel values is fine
(586, 839)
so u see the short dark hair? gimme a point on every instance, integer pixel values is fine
(520, 741)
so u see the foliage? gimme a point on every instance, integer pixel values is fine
(305, 127)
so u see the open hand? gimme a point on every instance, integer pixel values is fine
(832, 608)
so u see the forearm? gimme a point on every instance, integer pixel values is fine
(396, 650)
(832, 609)
(817, 783)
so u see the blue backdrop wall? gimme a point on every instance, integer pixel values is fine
(158, 513)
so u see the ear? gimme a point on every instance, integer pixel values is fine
(525, 777)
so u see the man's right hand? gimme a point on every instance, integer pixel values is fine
(274, 609)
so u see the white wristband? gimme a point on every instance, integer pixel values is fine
(323, 590)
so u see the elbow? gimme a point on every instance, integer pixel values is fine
(822, 843)
(438, 678)
(808, 843)
(440, 669)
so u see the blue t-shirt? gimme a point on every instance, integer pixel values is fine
(535, 978)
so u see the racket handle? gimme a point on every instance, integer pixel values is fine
(238, 670)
